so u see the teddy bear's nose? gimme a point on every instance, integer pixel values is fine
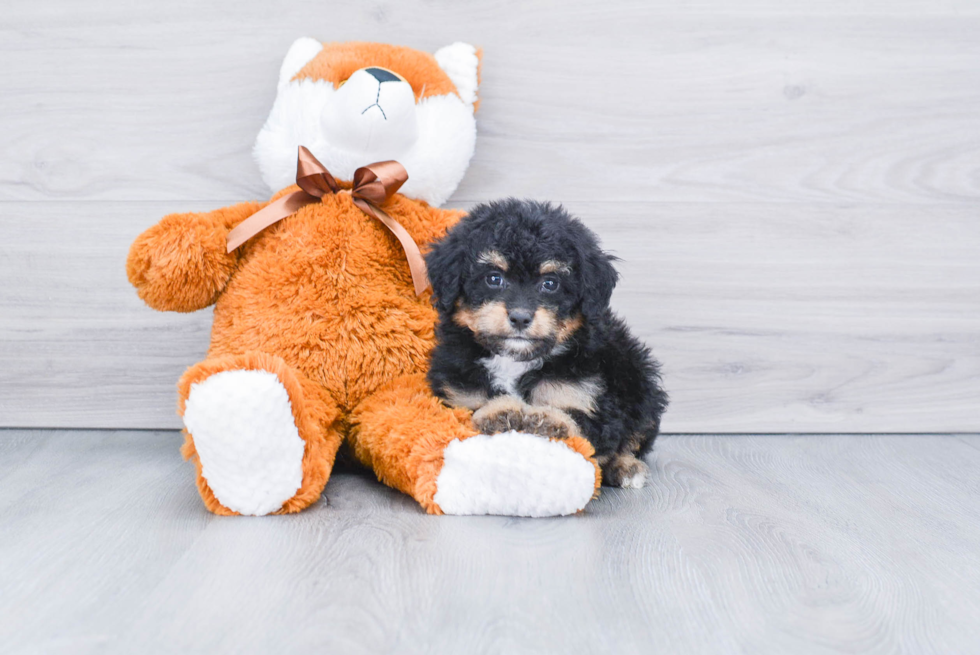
(383, 75)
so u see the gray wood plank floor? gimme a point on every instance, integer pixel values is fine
(741, 544)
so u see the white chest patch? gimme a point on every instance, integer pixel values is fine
(505, 372)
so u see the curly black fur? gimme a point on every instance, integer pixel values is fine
(588, 343)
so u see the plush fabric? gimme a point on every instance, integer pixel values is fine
(246, 437)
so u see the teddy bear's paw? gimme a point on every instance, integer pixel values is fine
(181, 263)
(514, 474)
(251, 453)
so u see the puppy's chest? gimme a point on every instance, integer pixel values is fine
(571, 391)
(505, 373)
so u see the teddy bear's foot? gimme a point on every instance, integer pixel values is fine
(418, 445)
(516, 474)
(250, 450)
(262, 435)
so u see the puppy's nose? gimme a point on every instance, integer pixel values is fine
(382, 75)
(520, 318)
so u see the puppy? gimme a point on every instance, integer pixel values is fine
(526, 338)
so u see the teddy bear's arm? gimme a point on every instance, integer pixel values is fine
(181, 264)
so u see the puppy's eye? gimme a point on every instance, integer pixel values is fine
(549, 285)
(495, 280)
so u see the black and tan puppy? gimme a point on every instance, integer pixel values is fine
(526, 338)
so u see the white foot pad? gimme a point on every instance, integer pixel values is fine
(251, 453)
(513, 474)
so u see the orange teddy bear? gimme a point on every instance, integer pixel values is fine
(319, 338)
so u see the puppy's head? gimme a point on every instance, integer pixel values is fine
(522, 276)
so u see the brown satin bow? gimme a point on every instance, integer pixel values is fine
(373, 186)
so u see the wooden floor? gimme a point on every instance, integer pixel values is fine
(741, 544)
(793, 188)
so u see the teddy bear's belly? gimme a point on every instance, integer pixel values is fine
(337, 304)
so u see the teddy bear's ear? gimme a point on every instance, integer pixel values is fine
(300, 53)
(461, 62)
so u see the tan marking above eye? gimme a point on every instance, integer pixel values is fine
(555, 266)
(493, 258)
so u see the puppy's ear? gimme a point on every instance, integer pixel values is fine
(447, 262)
(598, 280)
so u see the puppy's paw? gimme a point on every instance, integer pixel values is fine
(502, 414)
(506, 413)
(624, 470)
(548, 422)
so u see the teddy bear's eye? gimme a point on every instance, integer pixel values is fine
(495, 280)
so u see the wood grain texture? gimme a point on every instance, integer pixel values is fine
(749, 544)
(582, 100)
(768, 318)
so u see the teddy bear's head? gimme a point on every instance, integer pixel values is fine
(353, 104)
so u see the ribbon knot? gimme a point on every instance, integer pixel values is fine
(373, 186)
(312, 176)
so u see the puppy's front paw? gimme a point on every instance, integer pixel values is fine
(501, 414)
(548, 422)
(624, 470)
(506, 413)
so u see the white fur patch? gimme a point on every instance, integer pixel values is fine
(250, 450)
(436, 161)
(635, 482)
(505, 372)
(513, 474)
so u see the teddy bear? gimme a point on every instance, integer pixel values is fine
(320, 337)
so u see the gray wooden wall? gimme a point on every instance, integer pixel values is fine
(793, 187)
